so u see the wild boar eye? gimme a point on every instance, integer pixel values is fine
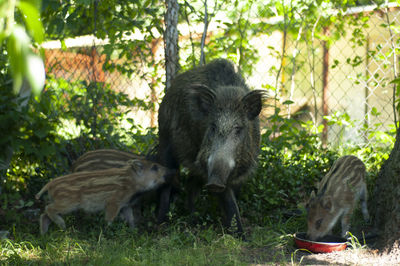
(237, 130)
(318, 224)
(154, 167)
(213, 129)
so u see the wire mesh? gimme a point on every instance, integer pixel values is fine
(343, 85)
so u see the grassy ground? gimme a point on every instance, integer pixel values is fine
(88, 241)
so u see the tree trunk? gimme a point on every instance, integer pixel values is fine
(325, 86)
(386, 199)
(171, 41)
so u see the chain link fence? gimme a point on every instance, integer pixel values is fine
(342, 83)
(79, 73)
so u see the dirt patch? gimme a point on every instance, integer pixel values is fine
(359, 256)
(290, 255)
(355, 254)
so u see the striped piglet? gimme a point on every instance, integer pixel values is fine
(337, 195)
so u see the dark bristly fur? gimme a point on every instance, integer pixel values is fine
(337, 196)
(208, 122)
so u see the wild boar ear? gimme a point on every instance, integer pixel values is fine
(136, 165)
(308, 203)
(327, 204)
(253, 102)
(201, 97)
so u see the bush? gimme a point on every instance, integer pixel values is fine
(47, 135)
(290, 165)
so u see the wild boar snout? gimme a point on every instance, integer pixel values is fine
(219, 165)
(214, 185)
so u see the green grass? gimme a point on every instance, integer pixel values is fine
(89, 241)
(173, 244)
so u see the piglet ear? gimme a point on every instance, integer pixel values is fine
(312, 197)
(253, 102)
(201, 97)
(136, 165)
(327, 204)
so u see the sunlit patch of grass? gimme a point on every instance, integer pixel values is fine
(18, 252)
(355, 244)
(177, 244)
(293, 259)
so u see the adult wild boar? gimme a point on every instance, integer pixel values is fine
(208, 123)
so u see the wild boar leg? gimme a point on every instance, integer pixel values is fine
(164, 193)
(111, 211)
(52, 212)
(230, 208)
(44, 223)
(345, 221)
(363, 201)
(194, 188)
(163, 203)
(128, 216)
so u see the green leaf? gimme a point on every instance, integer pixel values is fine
(17, 47)
(32, 19)
(63, 45)
(288, 102)
(29, 204)
(375, 112)
(35, 72)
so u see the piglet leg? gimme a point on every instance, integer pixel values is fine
(52, 212)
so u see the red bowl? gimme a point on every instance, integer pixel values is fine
(327, 244)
